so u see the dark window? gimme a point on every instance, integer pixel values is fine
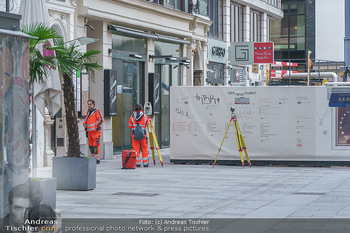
(289, 33)
(181, 5)
(255, 26)
(215, 9)
(236, 23)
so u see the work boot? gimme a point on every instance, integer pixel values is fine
(146, 165)
(138, 165)
(98, 161)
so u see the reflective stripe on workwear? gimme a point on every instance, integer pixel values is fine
(93, 121)
(145, 161)
(143, 122)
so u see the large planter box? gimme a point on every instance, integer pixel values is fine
(74, 173)
(45, 189)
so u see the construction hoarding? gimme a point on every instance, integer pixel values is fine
(277, 123)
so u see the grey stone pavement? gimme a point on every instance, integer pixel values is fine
(201, 191)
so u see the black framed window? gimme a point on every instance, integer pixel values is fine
(268, 29)
(255, 26)
(181, 5)
(289, 33)
(215, 10)
(236, 23)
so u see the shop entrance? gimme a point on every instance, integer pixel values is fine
(130, 92)
(163, 119)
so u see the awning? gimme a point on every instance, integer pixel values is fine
(142, 34)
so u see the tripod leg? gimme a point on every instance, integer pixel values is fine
(239, 144)
(150, 134)
(244, 146)
(156, 143)
(222, 142)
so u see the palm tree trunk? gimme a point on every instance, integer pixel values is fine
(71, 117)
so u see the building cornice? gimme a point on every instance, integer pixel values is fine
(261, 6)
(143, 15)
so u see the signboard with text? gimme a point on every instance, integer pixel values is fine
(263, 52)
(339, 100)
(249, 53)
(217, 51)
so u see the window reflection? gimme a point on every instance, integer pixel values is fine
(292, 27)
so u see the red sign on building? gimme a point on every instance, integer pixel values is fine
(263, 52)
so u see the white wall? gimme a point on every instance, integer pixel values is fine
(330, 29)
(277, 123)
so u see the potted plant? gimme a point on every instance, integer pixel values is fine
(72, 172)
(39, 66)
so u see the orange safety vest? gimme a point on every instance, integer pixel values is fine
(143, 122)
(94, 121)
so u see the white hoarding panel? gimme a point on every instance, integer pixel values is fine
(277, 123)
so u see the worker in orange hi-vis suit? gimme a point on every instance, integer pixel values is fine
(139, 118)
(92, 125)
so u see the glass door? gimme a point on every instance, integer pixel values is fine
(163, 120)
(130, 92)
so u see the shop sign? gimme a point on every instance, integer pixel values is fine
(241, 53)
(217, 51)
(249, 53)
(263, 52)
(339, 100)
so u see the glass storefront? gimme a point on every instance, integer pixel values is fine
(215, 74)
(130, 81)
(170, 75)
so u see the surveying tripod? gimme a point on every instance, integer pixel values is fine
(152, 134)
(239, 138)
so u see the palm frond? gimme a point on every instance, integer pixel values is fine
(41, 31)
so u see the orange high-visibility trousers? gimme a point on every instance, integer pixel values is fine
(94, 138)
(144, 147)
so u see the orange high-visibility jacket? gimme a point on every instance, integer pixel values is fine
(143, 120)
(94, 121)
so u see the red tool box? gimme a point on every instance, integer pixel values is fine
(129, 159)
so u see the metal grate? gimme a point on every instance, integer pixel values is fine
(309, 193)
(136, 194)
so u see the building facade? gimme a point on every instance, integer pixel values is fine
(315, 26)
(182, 42)
(137, 39)
(172, 42)
(238, 21)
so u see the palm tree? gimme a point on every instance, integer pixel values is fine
(70, 60)
(67, 60)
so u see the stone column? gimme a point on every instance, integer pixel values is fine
(48, 153)
(246, 22)
(264, 31)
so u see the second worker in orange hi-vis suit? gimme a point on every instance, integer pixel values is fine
(138, 117)
(92, 125)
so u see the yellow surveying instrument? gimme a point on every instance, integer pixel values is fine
(239, 138)
(152, 134)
